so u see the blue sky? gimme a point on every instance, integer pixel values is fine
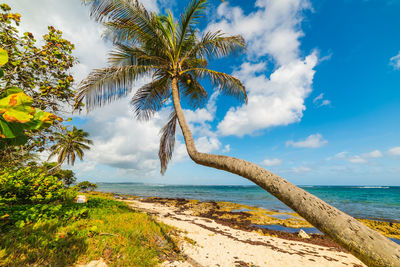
(324, 102)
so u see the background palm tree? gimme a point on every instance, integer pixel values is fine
(68, 145)
(175, 55)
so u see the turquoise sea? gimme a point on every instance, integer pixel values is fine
(370, 202)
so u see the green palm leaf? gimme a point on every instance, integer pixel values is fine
(167, 142)
(162, 48)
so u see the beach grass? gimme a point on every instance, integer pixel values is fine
(109, 230)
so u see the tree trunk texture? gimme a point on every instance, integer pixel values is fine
(369, 246)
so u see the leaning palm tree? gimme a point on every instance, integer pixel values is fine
(68, 145)
(175, 56)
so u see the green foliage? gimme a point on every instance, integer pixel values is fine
(86, 185)
(21, 215)
(17, 116)
(29, 186)
(67, 176)
(41, 71)
(69, 233)
(3, 57)
(33, 67)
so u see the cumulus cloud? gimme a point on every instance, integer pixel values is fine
(272, 30)
(207, 144)
(277, 100)
(271, 162)
(363, 158)
(395, 61)
(131, 146)
(319, 101)
(199, 120)
(395, 151)
(122, 142)
(312, 141)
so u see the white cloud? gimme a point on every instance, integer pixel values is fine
(122, 142)
(373, 154)
(363, 158)
(226, 149)
(199, 121)
(312, 141)
(341, 155)
(272, 162)
(300, 169)
(395, 151)
(356, 159)
(207, 144)
(319, 101)
(395, 61)
(272, 30)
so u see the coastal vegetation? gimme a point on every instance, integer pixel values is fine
(176, 56)
(40, 223)
(62, 233)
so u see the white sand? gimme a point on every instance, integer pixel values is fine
(219, 245)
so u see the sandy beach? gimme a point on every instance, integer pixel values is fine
(205, 242)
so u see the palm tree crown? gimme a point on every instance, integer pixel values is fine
(160, 47)
(69, 145)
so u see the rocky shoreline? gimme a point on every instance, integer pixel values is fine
(212, 233)
(254, 219)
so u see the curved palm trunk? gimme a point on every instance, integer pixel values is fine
(369, 246)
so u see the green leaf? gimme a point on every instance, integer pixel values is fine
(17, 108)
(3, 57)
(1, 73)
(17, 115)
(13, 90)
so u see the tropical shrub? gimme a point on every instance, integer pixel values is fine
(86, 185)
(31, 186)
(66, 176)
(21, 215)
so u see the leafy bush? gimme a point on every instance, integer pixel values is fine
(86, 185)
(31, 186)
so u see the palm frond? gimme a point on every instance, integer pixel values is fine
(129, 21)
(226, 83)
(192, 90)
(167, 142)
(216, 45)
(105, 85)
(124, 55)
(193, 13)
(149, 98)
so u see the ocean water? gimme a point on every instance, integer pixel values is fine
(371, 202)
